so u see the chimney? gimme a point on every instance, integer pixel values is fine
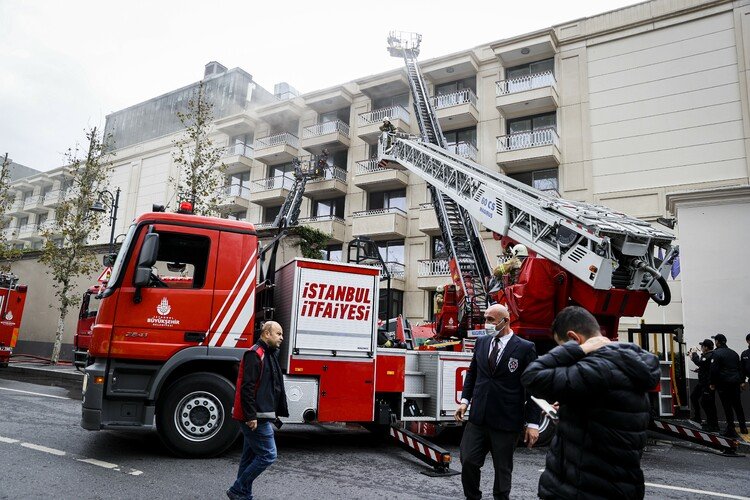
(214, 68)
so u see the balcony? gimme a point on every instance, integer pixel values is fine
(538, 148)
(369, 176)
(238, 158)
(428, 222)
(368, 124)
(271, 191)
(278, 148)
(10, 233)
(329, 224)
(465, 149)
(527, 95)
(397, 270)
(16, 207)
(333, 135)
(49, 226)
(432, 273)
(234, 197)
(332, 184)
(243, 122)
(28, 232)
(35, 204)
(456, 110)
(53, 198)
(380, 223)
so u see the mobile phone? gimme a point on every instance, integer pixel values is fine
(546, 407)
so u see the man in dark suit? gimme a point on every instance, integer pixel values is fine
(500, 407)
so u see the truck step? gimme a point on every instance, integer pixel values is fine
(407, 372)
(417, 395)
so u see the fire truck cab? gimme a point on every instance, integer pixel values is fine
(12, 301)
(164, 351)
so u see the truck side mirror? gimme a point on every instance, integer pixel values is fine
(109, 259)
(146, 260)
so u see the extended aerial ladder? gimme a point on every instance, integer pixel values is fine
(469, 265)
(605, 251)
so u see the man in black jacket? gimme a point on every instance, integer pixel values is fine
(703, 395)
(745, 363)
(604, 410)
(726, 379)
(259, 401)
(500, 407)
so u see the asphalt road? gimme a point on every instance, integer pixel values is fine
(44, 453)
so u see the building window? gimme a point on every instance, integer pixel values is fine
(240, 215)
(22, 221)
(464, 135)
(286, 169)
(455, 86)
(397, 304)
(388, 199)
(387, 102)
(37, 245)
(392, 251)
(334, 207)
(270, 213)
(331, 116)
(543, 180)
(532, 123)
(332, 253)
(241, 179)
(530, 69)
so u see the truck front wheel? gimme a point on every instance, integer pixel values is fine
(194, 416)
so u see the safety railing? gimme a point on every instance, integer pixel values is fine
(397, 269)
(464, 96)
(31, 201)
(325, 128)
(235, 190)
(528, 82)
(321, 218)
(369, 166)
(240, 149)
(17, 206)
(379, 211)
(277, 182)
(331, 172)
(433, 267)
(378, 115)
(523, 140)
(465, 149)
(284, 138)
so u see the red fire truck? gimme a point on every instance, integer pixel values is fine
(86, 317)
(166, 356)
(12, 301)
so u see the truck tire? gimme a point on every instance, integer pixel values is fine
(194, 418)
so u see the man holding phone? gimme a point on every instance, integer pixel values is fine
(500, 407)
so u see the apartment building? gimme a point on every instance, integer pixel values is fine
(619, 109)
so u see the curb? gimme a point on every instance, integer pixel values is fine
(43, 372)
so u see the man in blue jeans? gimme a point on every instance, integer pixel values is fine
(259, 401)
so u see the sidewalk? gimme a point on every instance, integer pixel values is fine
(48, 373)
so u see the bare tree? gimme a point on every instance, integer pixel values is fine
(7, 253)
(200, 176)
(67, 252)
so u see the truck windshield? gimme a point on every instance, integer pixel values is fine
(117, 268)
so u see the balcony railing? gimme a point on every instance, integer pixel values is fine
(377, 116)
(239, 148)
(31, 201)
(523, 140)
(26, 230)
(332, 172)
(464, 96)
(277, 182)
(465, 149)
(522, 83)
(17, 206)
(54, 196)
(236, 190)
(284, 138)
(321, 218)
(325, 128)
(433, 267)
(369, 166)
(397, 269)
(47, 225)
(379, 211)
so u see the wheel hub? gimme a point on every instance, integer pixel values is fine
(198, 416)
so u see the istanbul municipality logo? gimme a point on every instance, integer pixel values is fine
(163, 308)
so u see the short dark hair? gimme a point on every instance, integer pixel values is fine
(577, 319)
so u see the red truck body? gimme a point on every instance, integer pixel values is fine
(12, 301)
(163, 347)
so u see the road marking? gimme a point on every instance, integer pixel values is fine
(700, 492)
(99, 463)
(60, 453)
(34, 393)
(38, 447)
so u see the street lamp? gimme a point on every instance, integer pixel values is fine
(99, 206)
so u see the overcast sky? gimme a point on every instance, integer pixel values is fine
(65, 65)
